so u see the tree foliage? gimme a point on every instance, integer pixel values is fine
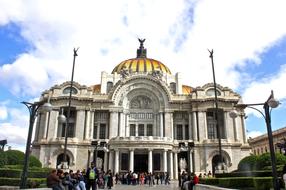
(260, 162)
(16, 157)
(3, 158)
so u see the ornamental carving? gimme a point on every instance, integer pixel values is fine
(141, 102)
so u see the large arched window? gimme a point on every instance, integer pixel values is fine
(213, 122)
(68, 89)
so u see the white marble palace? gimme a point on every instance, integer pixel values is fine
(141, 118)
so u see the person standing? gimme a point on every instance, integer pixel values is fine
(110, 180)
(91, 175)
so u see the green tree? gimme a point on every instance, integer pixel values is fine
(248, 163)
(264, 160)
(3, 158)
(16, 157)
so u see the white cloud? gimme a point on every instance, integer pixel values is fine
(3, 112)
(13, 134)
(253, 134)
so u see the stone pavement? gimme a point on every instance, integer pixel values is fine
(172, 186)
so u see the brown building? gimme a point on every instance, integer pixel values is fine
(260, 144)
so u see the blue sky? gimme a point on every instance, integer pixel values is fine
(37, 39)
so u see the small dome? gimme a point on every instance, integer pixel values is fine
(141, 63)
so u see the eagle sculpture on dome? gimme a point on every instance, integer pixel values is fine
(141, 42)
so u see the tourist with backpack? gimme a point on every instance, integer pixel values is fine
(91, 176)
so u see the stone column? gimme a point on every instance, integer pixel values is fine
(47, 117)
(127, 128)
(79, 124)
(56, 123)
(105, 167)
(194, 125)
(190, 127)
(136, 130)
(169, 125)
(91, 126)
(161, 125)
(165, 160)
(171, 170)
(121, 124)
(150, 161)
(191, 161)
(113, 124)
(111, 160)
(87, 129)
(116, 165)
(131, 160)
(176, 165)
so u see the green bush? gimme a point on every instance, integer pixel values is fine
(248, 163)
(240, 182)
(3, 158)
(16, 173)
(263, 183)
(266, 173)
(16, 157)
(31, 183)
(264, 160)
(209, 181)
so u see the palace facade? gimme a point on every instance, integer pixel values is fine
(141, 118)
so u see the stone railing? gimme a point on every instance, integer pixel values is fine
(143, 138)
(209, 187)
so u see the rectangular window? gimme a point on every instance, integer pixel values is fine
(95, 132)
(70, 132)
(102, 131)
(187, 132)
(149, 130)
(132, 130)
(124, 161)
(213, 122)
(141, 130)
(179, 132)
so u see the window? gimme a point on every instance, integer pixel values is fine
(124, 161)
(102, 131)
(187, 132)
(109, 86)
(132, 130)
(68, 89)
(213, 122)
(173, 87)
(149, 130)
(211, 92)
(179, 132)
(71, 124)
(95, 131)
(141, 130)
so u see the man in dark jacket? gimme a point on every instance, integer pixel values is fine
(53, 180)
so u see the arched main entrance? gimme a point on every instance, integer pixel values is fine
(60, 159)
(215, 163)
(140, 162)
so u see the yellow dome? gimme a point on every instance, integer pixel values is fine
(141, 65)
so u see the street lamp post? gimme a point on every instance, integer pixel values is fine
(220, 164)
(269, 103)
(33, 109)
(95, 144)
(64, 163)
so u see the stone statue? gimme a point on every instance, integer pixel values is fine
(125, 72)
(183, 165)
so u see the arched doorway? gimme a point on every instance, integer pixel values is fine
(216, 161)
(60, 159)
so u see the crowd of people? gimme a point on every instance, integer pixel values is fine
(98, 179)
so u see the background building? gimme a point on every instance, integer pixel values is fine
(144, 119)
(260, 144)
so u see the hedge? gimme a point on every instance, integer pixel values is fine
(267, 173)
(259, 183)
(16, 173)
(31, 183)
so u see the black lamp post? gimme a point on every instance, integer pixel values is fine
(33, 109)
(270, 102)
(95, 144)
(64, 163)
(220, 164)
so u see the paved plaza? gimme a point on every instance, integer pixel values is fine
(172, 186)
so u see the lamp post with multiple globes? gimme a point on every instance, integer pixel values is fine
(269, 103)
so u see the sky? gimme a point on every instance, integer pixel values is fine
(37, 39)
